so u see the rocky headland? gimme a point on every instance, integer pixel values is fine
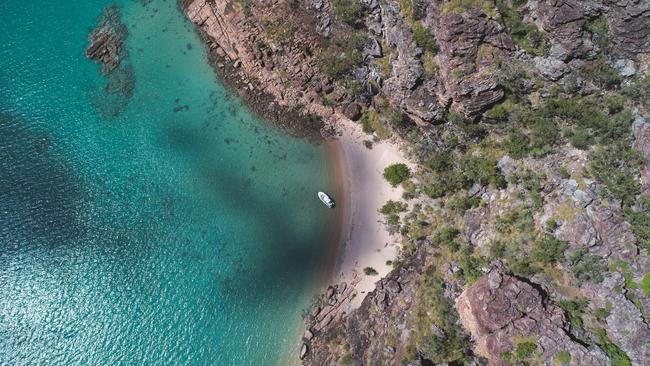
(524, 231)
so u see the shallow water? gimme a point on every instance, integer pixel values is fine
(182, 231)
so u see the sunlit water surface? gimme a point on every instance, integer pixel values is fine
(184, 231)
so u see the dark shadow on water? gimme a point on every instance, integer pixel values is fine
(285, 266)
(39, 194)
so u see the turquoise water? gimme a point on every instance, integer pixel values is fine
(157, 237)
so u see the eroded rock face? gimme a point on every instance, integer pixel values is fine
(499, 307)
(470, 42)
(266, 53)
(629, 22)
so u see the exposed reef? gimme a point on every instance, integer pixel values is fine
(106, 47)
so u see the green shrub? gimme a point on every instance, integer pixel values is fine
(342, 55)
(562, 358)
(392, 207)
(463, 203)
(551, 225)
(587, 267)
(639, 219)
(525, 350)
(498, 112)
(512, 78)
(602, 74)
(412, 9)
(439, 185)
(600, 31)
(447, 237)
(617, 168)
(483, 171)
(614, 103)
(644, 285)
(470, 264)
(437, 336)
(423, 38)
(396, 173)
(547, 249)
(498, 249)
(639, 90)
(616, 356)
(574, 310)
(460, 6)
(517, 144)
(349, 11)
(580, 138)
(522, 266)
(525, 35)
(369, 271)
(440, 162)
(544, 134)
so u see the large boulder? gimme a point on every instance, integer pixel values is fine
(500, 308)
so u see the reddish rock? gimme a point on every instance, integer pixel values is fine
(500, 307)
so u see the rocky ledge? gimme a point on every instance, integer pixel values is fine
(502, 312)
(106, 39)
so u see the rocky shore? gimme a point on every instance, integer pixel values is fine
(523, 236)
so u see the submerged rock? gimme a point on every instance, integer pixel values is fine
(105, 46)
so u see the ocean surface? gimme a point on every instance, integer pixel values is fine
(162, 224)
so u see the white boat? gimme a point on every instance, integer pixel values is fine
(326, 199)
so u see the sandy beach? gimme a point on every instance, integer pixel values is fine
(359, 237)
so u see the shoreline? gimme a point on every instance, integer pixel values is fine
(340, 218)
(358, 236)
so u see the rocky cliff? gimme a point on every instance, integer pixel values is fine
(527, 229)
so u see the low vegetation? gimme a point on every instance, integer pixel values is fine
(437, 336)
(349, 11)
(525, 35)
(397, 173)
(369, 271)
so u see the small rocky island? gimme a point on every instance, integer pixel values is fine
(105, 41)
(106, 47)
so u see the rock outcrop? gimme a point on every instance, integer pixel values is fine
(106, 39)
(275, 49)
(471, 45)
(370, 330)
(105, 46)
(267, 54)
(500, 308)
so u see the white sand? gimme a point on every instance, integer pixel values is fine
(365, 240)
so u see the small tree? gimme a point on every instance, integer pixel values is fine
(396, 173)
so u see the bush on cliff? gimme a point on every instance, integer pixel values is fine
(342, 55)
(437, 336)
(349, 11)
(617, 168)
